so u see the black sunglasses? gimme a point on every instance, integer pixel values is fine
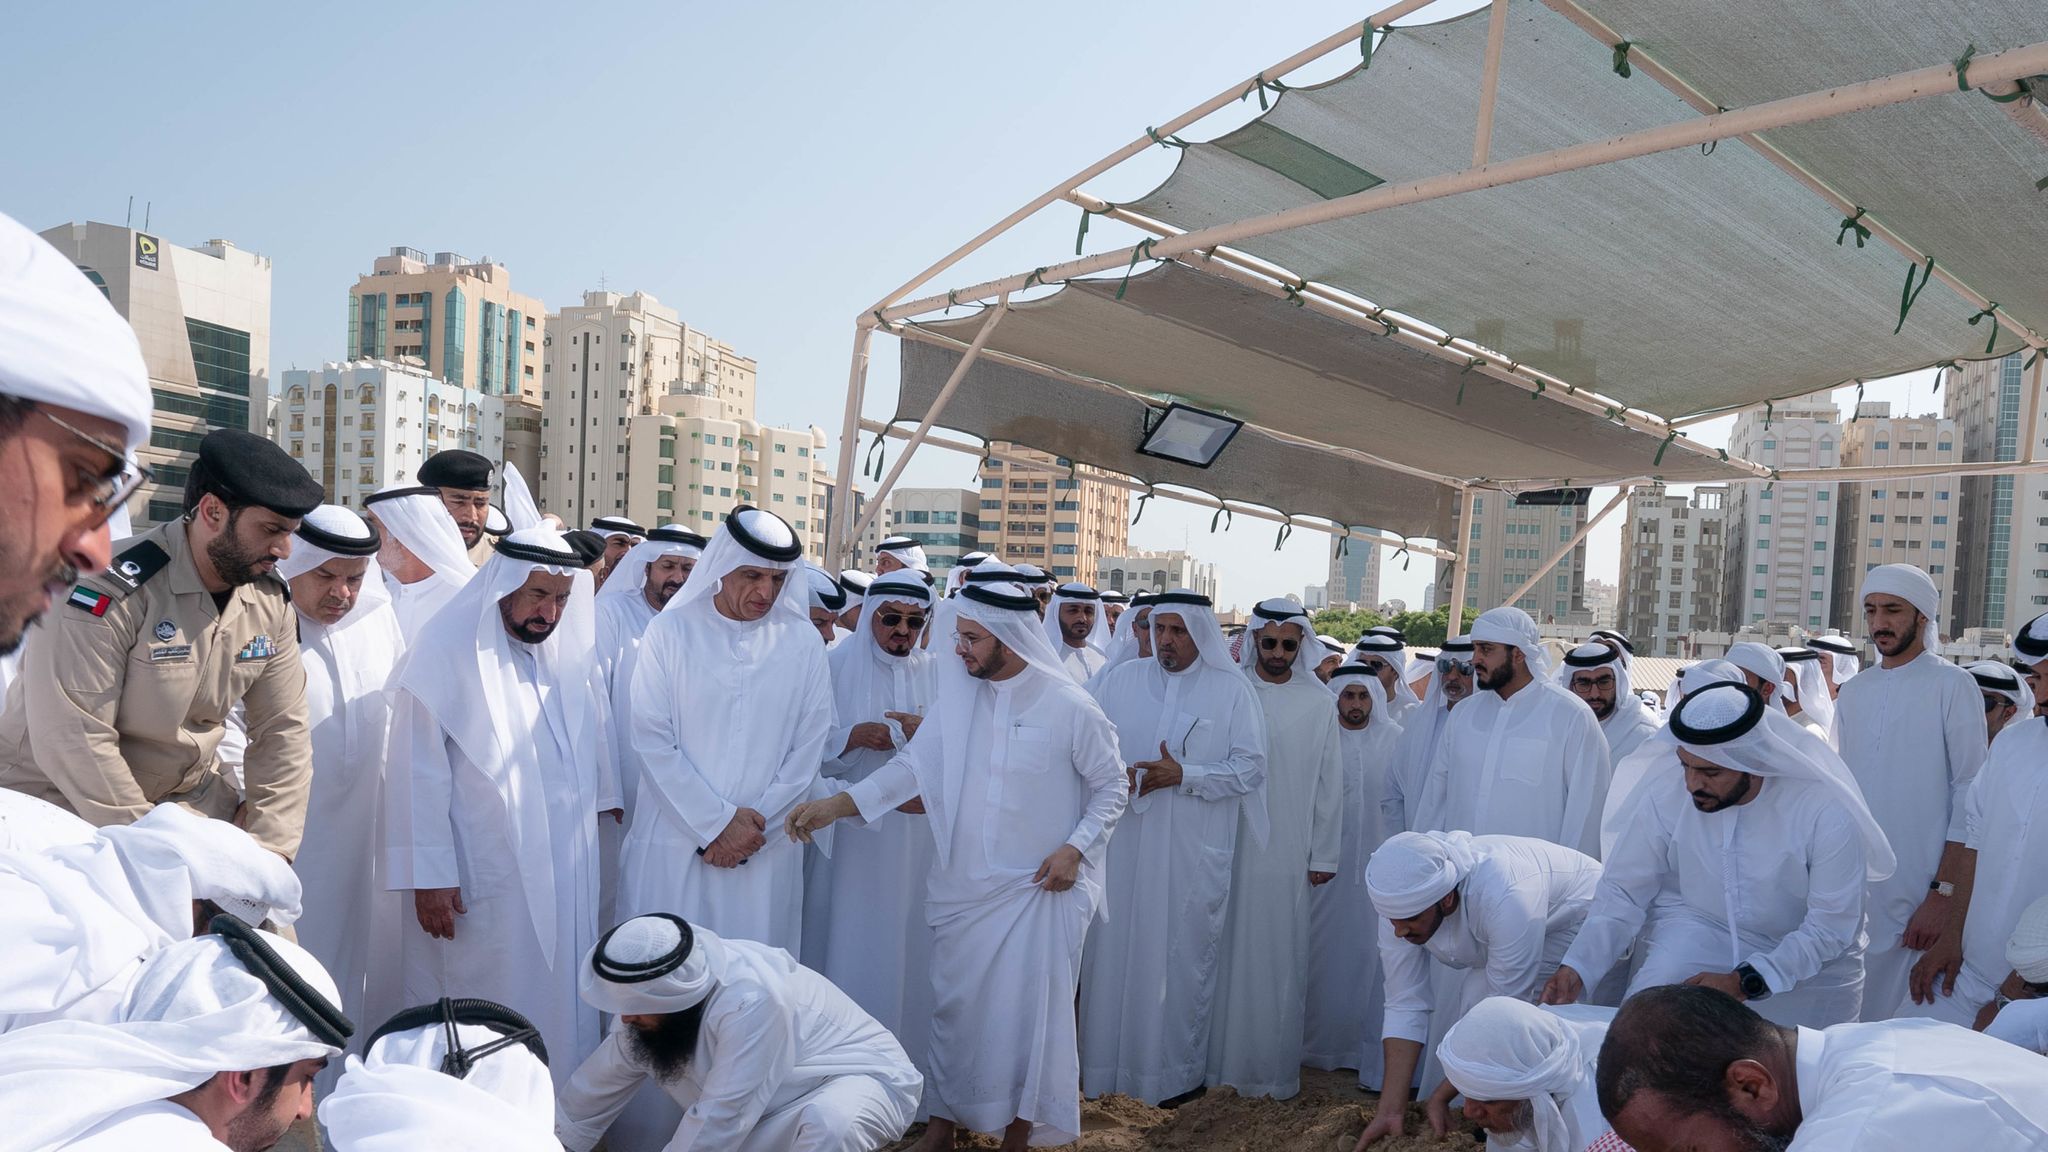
(892, 619)
(1271, 642)
(1373, 666)
(1461, 667)
(1992, 701)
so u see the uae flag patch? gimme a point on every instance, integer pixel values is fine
(86, 599)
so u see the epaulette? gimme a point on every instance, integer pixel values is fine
(132, 568)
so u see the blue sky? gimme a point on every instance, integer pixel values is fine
(769, 170)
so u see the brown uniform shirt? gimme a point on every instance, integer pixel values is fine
(124, 689)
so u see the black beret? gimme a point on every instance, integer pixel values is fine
(588, 545)
(247, 469)
(456, 468)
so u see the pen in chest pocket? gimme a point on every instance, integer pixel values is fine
(1184, 736)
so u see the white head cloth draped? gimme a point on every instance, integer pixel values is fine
(629, 576)
(1762, 662)
(339, 523)
(1806, 674)
(1511, 626)
(193, 1011)
(464, 667)
(614, 974)
(1098, 633)
(726, 552)
(863, 676)
(1841, 653)
(854, 583)
(89, 911)
(1996, 676)
(1505, 1049)
(421, 522)
(1349, 674)
(1414, 870)
(1728, 725)
(958, 575)
(2027, 950)
(520, 509)
(397, 1099)
(2030, 643)
(824, 588)
(1123, 643)
(1394, 652)
(62, 343)
(1458, 648)
(1911, 585)
(1658, 751)
(1271, 614)
(907, 550)
(1628, 706)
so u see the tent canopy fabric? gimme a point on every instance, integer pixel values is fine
(1678, 283)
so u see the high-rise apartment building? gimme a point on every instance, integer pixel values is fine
(1603, 601)
(1673, 567)
(1904, 521)
(1156, 572)
(2001, 547)
(202, 316)
(457, 318)
(1354, 573)
(368, 425)
(1506, 543)
(1058, 517)
(946, 523)
(1781, 536)
(693, 470)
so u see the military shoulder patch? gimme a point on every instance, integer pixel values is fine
(134, 566)
(87, 600)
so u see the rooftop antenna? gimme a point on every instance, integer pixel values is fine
(146, 206)
(130, 221)
(602, 284)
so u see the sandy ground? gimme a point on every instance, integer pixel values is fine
(1327, 1116)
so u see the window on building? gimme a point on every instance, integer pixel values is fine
(1820, 545)
(1764, 519)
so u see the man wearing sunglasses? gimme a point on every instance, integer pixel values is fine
(1419, 736)
(74, 405)
(864, 922)
(1256, 1044)
(125, 693)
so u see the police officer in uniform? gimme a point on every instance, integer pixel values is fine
(123, 695)
(464, 481)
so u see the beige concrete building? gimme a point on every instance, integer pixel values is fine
(1506, 543)
(609, 361)
(1781, 536)
(2001, 548)
(457, 318)
(1156, 572)
(1058, 519)
(694, 470)
(368, 425)
(1673, 568)
(946, 522)
(1354, 575)
(202, 316)
(1904, 521)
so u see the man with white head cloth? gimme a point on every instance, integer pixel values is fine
(958, 575)
(1020, 775)
(1762, 669)
(215, 1046)
(1114, 604)
(619, 535)
(1759, 840)
(454, 1075)
(1598, 674)
(1332, 656)
(1192, 736)
(898, 552)
(500, 769)
(1345, 994)
(1523, 756)
(1077, 630)
(2007, 698)
(2004, 867)
(732, 705)
(1911, 729)
(1527, 1075)
(81, 919)
(761, 1053)
(1843, 658)
(827, 603)
(74, 405)
(1262, 989)
(1631, 770)
(349, 641)
(1804, 692)
(424, 560)
(1498, 911)
(864, 906)
(855, 584)
(1416, 749)
(1387, 657)
(1131, 641)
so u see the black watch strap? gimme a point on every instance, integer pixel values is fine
(1754, 986)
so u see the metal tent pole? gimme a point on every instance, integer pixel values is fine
(1464, 534)
(931, 415)
(1489, 85)
(1578, 538)
(838, 541)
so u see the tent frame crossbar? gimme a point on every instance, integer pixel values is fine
(1565, 549)
(1198, 499)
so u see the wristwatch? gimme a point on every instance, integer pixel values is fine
(1754, 987)
(1941, 887)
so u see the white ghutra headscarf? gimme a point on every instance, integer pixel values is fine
(1270, 614)
(1098, 633)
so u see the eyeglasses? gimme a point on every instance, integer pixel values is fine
(1992, 701)
(1373, 666)
(893, 619)
(1461, 667)
(1282, 643)
(118, 484)
(961, 640)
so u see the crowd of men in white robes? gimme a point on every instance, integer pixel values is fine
(627, 835)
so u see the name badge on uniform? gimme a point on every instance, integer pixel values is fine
(171, 654)
(258, 649)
